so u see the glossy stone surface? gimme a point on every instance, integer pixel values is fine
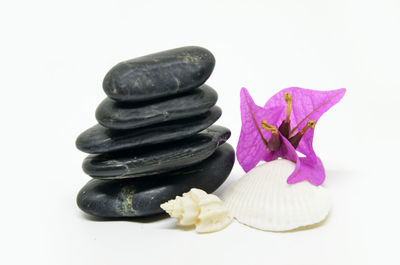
(116, 115)
(152, 160)
(160, 74)
(98, 139)
(143, 196)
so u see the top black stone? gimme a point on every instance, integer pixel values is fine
(158, 75)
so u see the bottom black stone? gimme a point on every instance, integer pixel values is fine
(142, 196)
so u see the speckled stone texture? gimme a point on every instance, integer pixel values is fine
(114, 115)
(142, 196)
(155, 137)
(158, 75)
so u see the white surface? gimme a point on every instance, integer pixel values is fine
(54, 55)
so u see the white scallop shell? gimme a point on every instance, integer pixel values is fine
(206, 211)
(262, 199)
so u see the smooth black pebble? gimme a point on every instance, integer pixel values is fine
(160, 74)
(119, 116)
(143, 196)
(152, 160)
(99, 139)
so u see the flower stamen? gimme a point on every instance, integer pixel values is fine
(274, 142)
(295, 140)
(289, 101)
(268, 128)
(285, 126)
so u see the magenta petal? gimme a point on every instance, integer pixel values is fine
(287, 150)
(308, 170)
(251, 147)
(307, 105)
(296, 177)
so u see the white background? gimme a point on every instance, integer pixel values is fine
(54, 55)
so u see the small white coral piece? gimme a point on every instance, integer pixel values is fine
(206, 211)
(262, 199)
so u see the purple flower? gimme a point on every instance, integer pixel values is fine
(285, 124)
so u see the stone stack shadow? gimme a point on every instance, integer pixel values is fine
(155, 137)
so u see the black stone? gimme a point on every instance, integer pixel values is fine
(98, 139)
(160, 74)
(143, 196)
(152, 160)
(114, 115)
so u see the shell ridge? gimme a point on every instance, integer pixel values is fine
(262, 199)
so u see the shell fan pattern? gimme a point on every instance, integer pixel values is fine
(262, 199)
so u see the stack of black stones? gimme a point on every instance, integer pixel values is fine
(155, 138)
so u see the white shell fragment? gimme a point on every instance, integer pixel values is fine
(196, 207)
(262, 199)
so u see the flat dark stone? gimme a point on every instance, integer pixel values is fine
(114, 115)
(143, 196)
(158, 75)
(98, 139)
(157, 159)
